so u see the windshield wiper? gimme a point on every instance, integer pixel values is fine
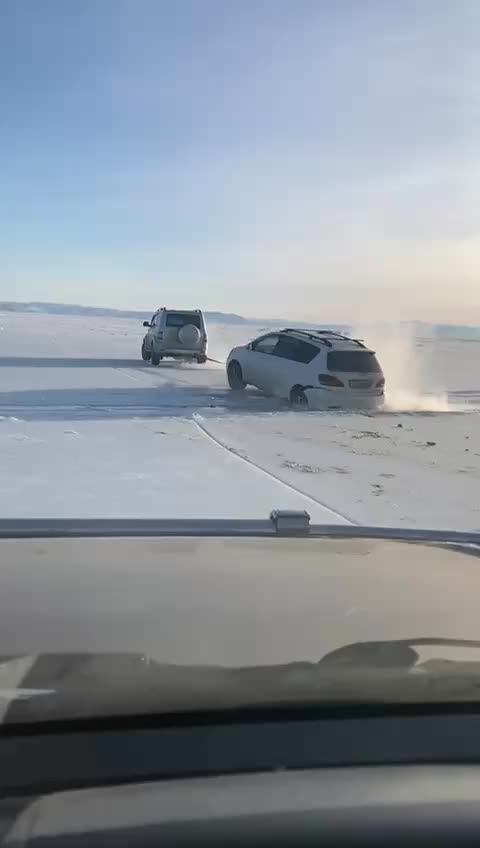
(286, 523)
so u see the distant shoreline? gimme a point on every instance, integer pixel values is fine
(450, 331)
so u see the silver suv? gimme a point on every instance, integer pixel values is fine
(177, 333)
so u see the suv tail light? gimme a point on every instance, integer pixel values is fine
(380, 383)
(329, 380)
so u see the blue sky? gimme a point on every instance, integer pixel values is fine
(271, 157)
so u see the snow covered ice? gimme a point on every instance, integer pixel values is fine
(89, 430)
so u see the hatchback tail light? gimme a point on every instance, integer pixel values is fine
(329, 380)
(380, 383)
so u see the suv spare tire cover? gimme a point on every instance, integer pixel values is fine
(189, 335)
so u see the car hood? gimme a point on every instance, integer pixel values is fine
(95, 626)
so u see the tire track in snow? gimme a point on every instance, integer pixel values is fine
(199, 422)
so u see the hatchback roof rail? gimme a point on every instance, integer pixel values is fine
(320, 335)
(309, 334)
(336, 335)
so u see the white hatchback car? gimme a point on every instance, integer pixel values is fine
(177, 333)
(317, 368)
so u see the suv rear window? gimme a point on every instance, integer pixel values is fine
(180, 319)
(362, 361)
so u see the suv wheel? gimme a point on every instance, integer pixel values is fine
(155, 358)
(298, 398)
(146, 354)
(235, 376)
(201, 359)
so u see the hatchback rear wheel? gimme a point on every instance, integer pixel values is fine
(298, 398)
(235, 376)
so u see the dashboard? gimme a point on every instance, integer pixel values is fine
(358, 778)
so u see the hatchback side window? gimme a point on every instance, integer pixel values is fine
(265, 345)
(295, 350)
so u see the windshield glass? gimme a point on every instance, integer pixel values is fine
(156, 624)
(289, 187)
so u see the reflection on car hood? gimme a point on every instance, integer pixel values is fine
(75, 686)
(108, 626)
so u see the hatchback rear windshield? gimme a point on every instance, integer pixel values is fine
(354, 361)
(180, 319)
